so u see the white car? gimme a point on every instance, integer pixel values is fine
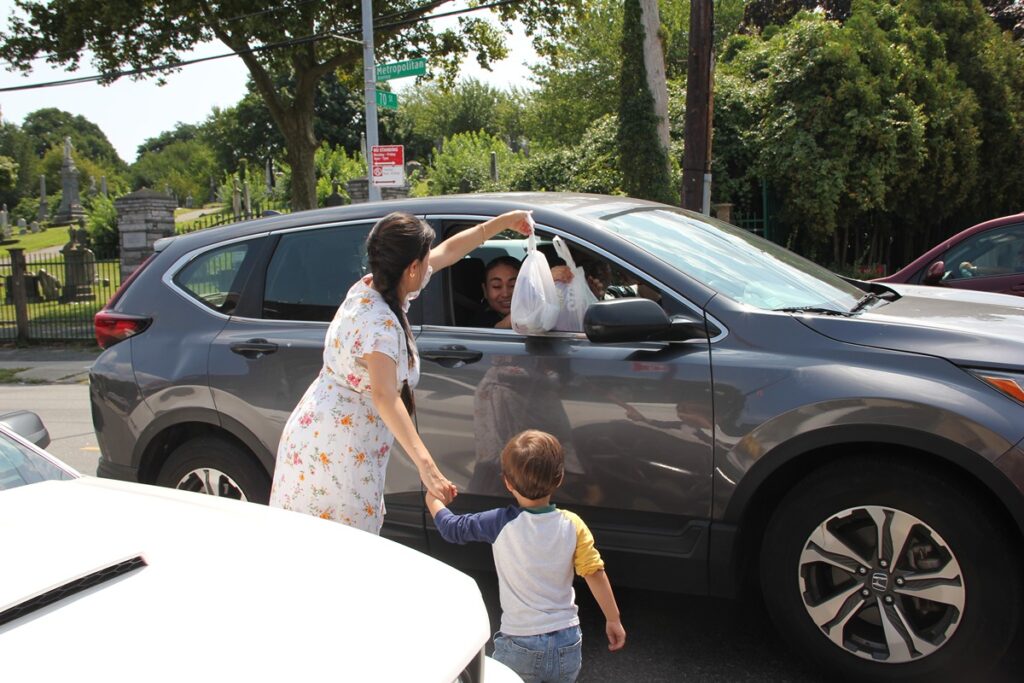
(115, 581)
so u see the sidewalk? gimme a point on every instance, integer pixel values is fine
(48, 365)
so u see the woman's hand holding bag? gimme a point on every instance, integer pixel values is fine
(534, 299)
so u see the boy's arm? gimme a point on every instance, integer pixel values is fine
(461, 529)
(601, 587)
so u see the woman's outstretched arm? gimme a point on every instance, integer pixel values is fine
(457, 246)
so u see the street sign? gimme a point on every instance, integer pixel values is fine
(388, 165)
(410, 67)
(387, 100)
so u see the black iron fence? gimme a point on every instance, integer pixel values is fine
(47, 297)
(228, 215)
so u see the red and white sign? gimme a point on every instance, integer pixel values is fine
(388, 165)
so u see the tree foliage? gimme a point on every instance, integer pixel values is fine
(592, 165)
(48, 127)
(463, 164)
(183, 166)
(288, 49)
(885, 131)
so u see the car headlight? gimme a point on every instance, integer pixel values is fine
(1008, 383)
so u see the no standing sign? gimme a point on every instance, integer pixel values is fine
(388, 165)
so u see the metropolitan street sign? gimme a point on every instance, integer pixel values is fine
(410, 67)
(387, 100)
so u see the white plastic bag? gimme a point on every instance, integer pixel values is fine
(573, 297)
(534, 299)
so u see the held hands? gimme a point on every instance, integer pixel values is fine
(562, 274)
(437, 484)
(616, 635)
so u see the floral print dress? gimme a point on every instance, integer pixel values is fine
(334, 449)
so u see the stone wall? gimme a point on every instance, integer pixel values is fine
(143, 217)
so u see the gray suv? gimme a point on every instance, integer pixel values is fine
(733, 414)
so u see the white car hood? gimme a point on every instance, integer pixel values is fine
(231, 591)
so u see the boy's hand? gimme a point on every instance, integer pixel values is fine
(616, 635)
(434, 504)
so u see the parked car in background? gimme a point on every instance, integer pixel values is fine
(105, 580)
(737, 414)
(987, 257)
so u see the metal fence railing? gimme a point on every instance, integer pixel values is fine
(228, 215)
(60, 296)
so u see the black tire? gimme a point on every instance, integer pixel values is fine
(209, 464)
(849, 496)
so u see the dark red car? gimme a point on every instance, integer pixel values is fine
(988, 257)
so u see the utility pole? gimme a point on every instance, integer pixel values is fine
(696, 189)
(370, 76)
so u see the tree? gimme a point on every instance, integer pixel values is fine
(15, 144)
(184, 166)
(48, 127)
(292, 44)
(642, 156)
(183, 132)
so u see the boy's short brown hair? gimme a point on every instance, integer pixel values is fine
(533, 463)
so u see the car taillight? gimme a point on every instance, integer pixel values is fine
(111, 327)
(114, 327)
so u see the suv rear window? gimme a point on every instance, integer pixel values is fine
(213, 277)
(312, 270)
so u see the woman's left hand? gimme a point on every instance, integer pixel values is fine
(520, 221)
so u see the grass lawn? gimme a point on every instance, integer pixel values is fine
(52, 237)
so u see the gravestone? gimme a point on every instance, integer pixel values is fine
(70, 209)
(22, 227)
(5, 228)
(248, 199)
(188, 202)
(334, 198)
(49, 285)
(43, 208)
(33, 227)
(236, 199)
(103, 185)
(92, 186)
(213, 191)
(79, 266)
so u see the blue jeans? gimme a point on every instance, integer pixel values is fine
(554, 657)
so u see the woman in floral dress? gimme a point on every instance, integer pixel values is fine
(334, 449)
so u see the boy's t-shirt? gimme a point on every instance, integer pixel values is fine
(536, 551)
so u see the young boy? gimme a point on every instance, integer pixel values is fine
(536, 548)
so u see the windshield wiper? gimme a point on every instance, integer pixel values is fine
(811, 309)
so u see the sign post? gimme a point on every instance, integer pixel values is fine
(370, 83)
(388, 166)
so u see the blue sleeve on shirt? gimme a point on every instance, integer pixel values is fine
(478, 526)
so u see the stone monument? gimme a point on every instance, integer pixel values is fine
(5, 228)
(70, 209)
(79, 266)
(22, 226)
(334, 198)
(42, 198)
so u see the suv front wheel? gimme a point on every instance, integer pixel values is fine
(215, 466)
(883, 571)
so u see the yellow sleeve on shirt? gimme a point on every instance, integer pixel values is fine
(586, 559)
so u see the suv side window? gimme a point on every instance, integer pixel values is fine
(215, 277)
(999, 251)
(312, 270)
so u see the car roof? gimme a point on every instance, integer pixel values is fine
(229, 589)
(569, 205)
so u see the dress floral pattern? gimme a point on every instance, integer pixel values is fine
(334, 449)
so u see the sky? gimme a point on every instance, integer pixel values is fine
(129, 112)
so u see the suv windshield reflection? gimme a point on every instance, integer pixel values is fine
(732, 261)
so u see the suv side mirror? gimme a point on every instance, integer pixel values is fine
(637, 320)
(933, 275)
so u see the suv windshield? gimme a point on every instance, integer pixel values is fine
(20, 466)
(736, 263)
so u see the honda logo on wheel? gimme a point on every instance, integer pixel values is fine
(879, 581)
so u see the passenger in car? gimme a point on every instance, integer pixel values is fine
(499, 282)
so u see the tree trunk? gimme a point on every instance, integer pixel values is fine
(300, 145)
(654, 60)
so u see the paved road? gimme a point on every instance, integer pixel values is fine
(65, 412)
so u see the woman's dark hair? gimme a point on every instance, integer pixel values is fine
(509, 261)
(396, 241)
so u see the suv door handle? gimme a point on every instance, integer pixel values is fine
(253, 348)
(454, 356)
